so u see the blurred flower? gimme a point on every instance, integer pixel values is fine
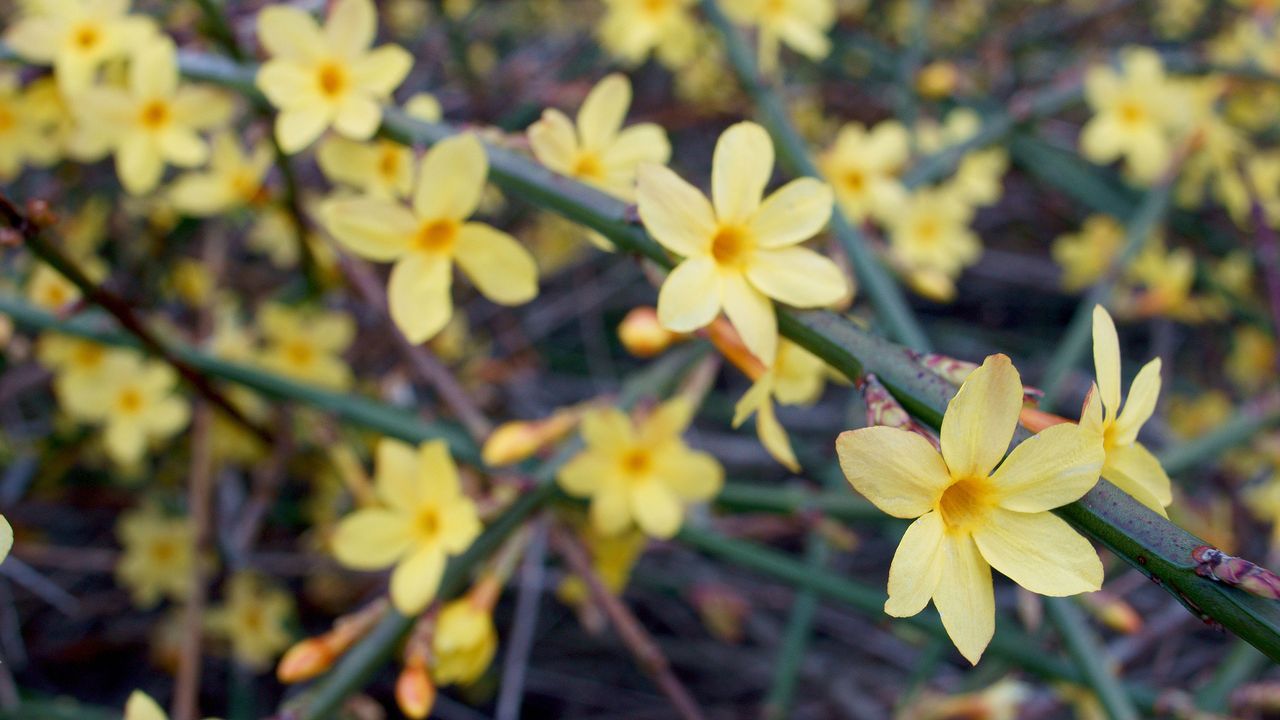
(1192, 416)
(643, 335)
(1252, 362)
(1133, 112)
(234, 179)
(154, 119)
(428, 239)
(1086, 255)
(1001, 701)
(739, 253)
(801, 25)
(23, 129)
(76, 37)
(863, 166)
(158, 557)
(319, 78)
(465, 640)
(133, 399)
(424, 518)
(931, 232)
(381, 168)
(1129, 464)
(972, 516)
(1164, 278)
(632, 29)
(613, 556)
(253, 618)
(641, 474)
(307, 344)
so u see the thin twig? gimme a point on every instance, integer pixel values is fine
(186, 691)
(646, 652)
(528, 598)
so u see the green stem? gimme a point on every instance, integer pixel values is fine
(840, 504)
(795, 642)
(793, 154)
(1090, 657)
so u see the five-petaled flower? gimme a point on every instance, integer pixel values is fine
(640, 474)
(424, 518)
(428, 239)
(973, 512)
(739, 252)
(1129, 464)
(322, 77)
(76, 37)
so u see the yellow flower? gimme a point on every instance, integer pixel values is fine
(972, 515)
(1133, 113)
(1191, 417)
(642, 474)
(1129, 464)
(382, 169)
(154, 120)
(931, 232)
(863, 167)
(23, 129)
(798, 375)
(62, 135)
(599, 151)
(464, 642)
(758, 401)
(426, 241)
(978, 179)
(424, 518)
(739, 252)
(1166, 277)
(631, 29)
(319, 78)
(158, 557)
(795, 378)
(234, 179)
(253, 617)
(307, 344)
(801, 25)
(132, 398)
(1086, 255)
(140, 706)
(76, 37)
(1252, 362)
(612, 558)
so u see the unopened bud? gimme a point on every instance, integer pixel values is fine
(518, 440)
(415, 693)
(729, 343)
(1112, 611)
(937, 80)
(642, 335)
(305, 660)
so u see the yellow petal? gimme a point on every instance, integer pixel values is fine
(1055, 467)
(657, 510)
(607, 428)
(1135, 470)
(667, 422)
(351, 27)
(140, 706)
(1040, 552)
(451, 179)
(609, 511)
(1139, 405)
(124, 441)
(553, 141)
(296, 129)
(139, 165)
(1091, 413)
(289, 32)
(916, 567)
(690, 296)
(418, 295)
(370, 539)
(416, 579)
(740, 169)
(358, 118)
(964, 596)
(752, 316)
(795, 213)
(372, 228)
(644, 142)
(603, 111)
(288, 85)
(797, 276)
(381, 71)
(1106, 360)
(437, 473)
(183, 147)
(897, 470)
(674, 212)
(692, 475)
(497, 264)
(980, 419)
(581, 475)
(6, 538)
(774, 437)
(396, 474)
(459, 525)
(153, 72)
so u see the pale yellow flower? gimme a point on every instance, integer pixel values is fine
(133, 399)
(464, 643)
(321, 77)
(307, 344)
(76, 37)
(1251, 365)
(598, 150)
(424, 518)
(741, 251)
(158, 558)
(801, 25)
(253, 618)
(1129, 464)
(1133, 114)
(975, 509)
(640, 475)
(932, 232)
(234, 179)
(632, 29)
(863, 166)
(153, 120)
(1085, 255)
(381, 168)
(426, 240)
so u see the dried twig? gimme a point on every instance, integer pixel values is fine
(200, 490)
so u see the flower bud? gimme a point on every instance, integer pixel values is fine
(518, 440)
(642, 335)
(415, 693)
(937, 80)
(305, 660)
(1112, 611)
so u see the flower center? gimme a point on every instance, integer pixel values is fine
(588, 166)
(129, 401)
(655, 7)
(7, 119)
(389, 163)
(89, 356)
(154, 115)
(855, 181)
(928, 232)
(245, 186)
(732, 246)
(1132, 113)
(252, 619)
(332, 80)
(964, 504)
(163, 552)
(427, 524)
(774, 7)
(437, 236)
(86, 37)
(636, 463)
(299, 353)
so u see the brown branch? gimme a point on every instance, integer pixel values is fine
(186, 691)
(422, 360)
(119, 308)
(646, 652)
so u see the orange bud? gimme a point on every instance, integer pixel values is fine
(937, 80)
(415, 693)
(1112, 611)
(642, 335)
(305, 660)
(730, 344)
(1035, 419)
(518, 440)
